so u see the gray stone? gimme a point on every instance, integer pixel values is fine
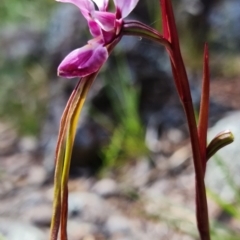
(20, 41)
(8, 139)
(138, 175)
(88, 206)
(226, 10)
(118, 224)
(37, 175)
(105, 187)
(65, 30)
(13, 230)
(28, 144)
(39, 215)
(80, 230)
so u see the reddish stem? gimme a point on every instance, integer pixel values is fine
(182, 84)
(204, 108)
(64, 214)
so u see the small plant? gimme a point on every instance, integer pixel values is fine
(107, 29)
(128, 139)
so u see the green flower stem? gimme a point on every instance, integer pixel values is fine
(67, 132)
(60, 150)
(63, 156)
(84, 86)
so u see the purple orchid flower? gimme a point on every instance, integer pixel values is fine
(105, 28)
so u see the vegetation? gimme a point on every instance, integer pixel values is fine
(24, 95)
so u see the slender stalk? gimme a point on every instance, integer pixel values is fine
(63, 155)
(182, 84)
(135, 28)
(68, 126)
(73, 117)
(201, 200)
(204, 108)
(186, 99)
(171, 42)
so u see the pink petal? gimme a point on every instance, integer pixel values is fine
(86, 6)
(102, 4)
(107, 37)
(83, 61)
(94, 28)
(125, 6)
(106, 20)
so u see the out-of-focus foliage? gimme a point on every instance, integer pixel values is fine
(219, 230)
(24, 84)
(232, 209)
(21, 97)
(22, 80)
(127, 141)
(15, 11)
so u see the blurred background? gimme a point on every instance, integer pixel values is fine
(131, 175)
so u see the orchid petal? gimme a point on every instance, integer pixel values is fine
(85, 6)
(105, 20)
(125, 6)
(94, 28)
(102, 4)
(107, 37)
(83, 61)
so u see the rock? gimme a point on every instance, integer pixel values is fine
(15, 168)
(8, 139)
(90, 137)
(138, 175)
(179, 159)
(68, 24)
(49, 132)
(80, 230)
(88, 207)
(118, 224)
(28, 144)
(25, 38)
(193, 7)
(229, 39)
(175, 135)
(105, 187)
(119, 227)
(40, 215)
(158, 188)
(14, 230)
(89, 237)
(168, 209)
(24, 203)
(225, 165)
(37, 175)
